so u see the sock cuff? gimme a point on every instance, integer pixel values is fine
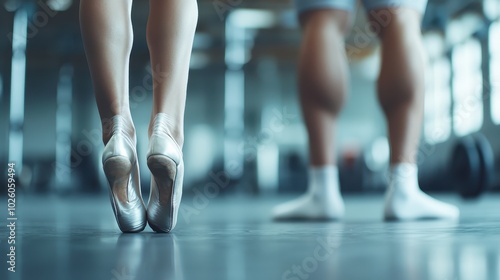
(403, 171)
(324, 170)
(322, 178)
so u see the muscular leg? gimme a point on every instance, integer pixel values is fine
(322, 79)
(107, 37)
(322, 87)
(401, 94)
(401, 82)
(170, 35)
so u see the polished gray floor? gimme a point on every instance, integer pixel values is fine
(233, 238)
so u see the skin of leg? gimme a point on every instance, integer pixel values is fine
(107, 36)
(170, 35)
(401, 83)
(322, 79)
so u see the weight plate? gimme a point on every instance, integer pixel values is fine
(465, 167)
(486, 160)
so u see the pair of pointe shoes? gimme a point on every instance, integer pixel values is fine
(165, 162)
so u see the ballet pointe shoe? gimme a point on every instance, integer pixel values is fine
(120, 165)
(167, 173)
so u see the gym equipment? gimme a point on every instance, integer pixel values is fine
(487, 161)
(17, 87)
(472, 165)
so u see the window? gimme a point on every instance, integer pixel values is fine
(438, 102)
(494, 47)
(467, 87)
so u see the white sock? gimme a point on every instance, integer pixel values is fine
(405, 201)
(321, 201)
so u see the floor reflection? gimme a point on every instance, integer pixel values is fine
(235, 239)
(143, 254)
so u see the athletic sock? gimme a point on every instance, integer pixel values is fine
(321, 201)
(405, 201)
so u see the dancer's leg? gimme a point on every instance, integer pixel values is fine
(170, 35)
(322, 87)
(401, 95)
(108, 36)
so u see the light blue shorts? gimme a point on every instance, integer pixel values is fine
(349, 5)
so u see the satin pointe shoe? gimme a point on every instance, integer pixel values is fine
(167, 173)
(119, 160)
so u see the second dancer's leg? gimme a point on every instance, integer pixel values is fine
(401, 95)
(323, 87)
(170, 35)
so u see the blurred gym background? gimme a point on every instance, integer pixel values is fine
(244, 129)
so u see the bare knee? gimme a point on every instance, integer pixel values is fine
(330, 20)
(394, 21)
